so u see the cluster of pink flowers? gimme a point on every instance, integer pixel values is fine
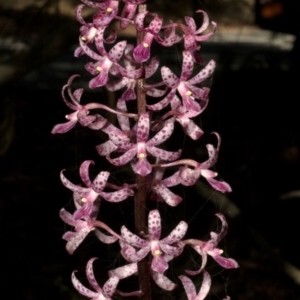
(180, 99)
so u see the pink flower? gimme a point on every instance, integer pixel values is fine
(104, 64)
(82, 228)
(189, 177)
(192, 35)
(210, 248)
(141, 52)
(144, 146)
(81, 112)
(160, 249)
(94, 31)
(85, 196)
(160, 187)
(187, 89)
(104, 293)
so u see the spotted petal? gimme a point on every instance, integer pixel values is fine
(90, 275)
(154, 225)
(163, 282)
(81, 288)
(176, 234)
(132, 239)
(189, 287)
(110, 286)
(163, 134)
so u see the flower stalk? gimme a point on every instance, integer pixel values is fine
(140, 213)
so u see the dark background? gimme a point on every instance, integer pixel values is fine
(253, 105)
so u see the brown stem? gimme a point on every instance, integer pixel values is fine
(140, 214)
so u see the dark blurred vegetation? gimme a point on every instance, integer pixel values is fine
(254, 106)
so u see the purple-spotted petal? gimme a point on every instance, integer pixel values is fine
(76, 240)
(89, 52)
(90, 275)
(123, 159)
(168, 196)
(176, 234)
(163, 134)
(110, 286)
(131, 74)
(84, 172)
(190, 128)
(190, 23)
(132, 239)
(100, 181)
(155, 25)
(106, 148)
(123, 120)
(131, 255)
(154, 225)
(189, 176)
(204, 73)
(163, 154)
(171, 250)
(81, 288)
(151, 67)
(171, 180)
(169, 78)
(187, 66)
(117, 196)
(69, 185)
(163, 282)
(189, 287)
(117, 51)
(124, 271)
(117, 84)
(118, 137)
(143, 127)
(164, 102)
